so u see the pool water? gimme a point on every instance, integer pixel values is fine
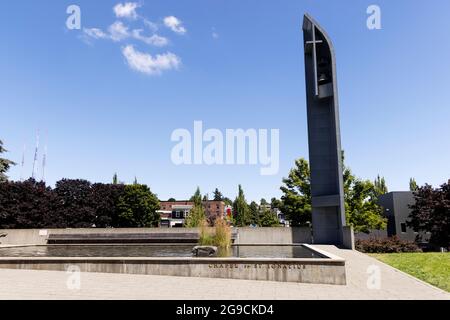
(240, 251)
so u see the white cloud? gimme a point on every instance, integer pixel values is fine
(118, 31)
(146, 63)
(126, 10)
(174, 24)
(95, 33)
(151, 25)
(152, 40)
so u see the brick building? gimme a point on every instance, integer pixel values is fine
(173, 213)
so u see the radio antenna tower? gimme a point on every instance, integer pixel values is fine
(35, 154)
(44, 157)
(23, 162)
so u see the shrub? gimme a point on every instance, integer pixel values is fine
(386, 245)
(222, 238)
(219, 235)
(206, 238)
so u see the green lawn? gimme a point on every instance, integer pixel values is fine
(433, 268)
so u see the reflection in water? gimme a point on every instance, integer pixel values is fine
(155, 251)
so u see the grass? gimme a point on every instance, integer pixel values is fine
(433, 268)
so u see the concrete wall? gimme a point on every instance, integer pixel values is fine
(274, 235)
(323, 271)
(245, 235)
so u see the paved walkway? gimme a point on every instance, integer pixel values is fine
(28, 284)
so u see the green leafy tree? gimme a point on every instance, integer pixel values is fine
(228, 201)
(296, 199)
(197, 197)
(197, 214)
(241, 209)
(254, 213)
(5, 164)
(218, 196)
(269, 218)
(413, 185)
(172, 200)
(275, 203)
(138, 207)
(380, 186)
(263, 202)
(362, 210)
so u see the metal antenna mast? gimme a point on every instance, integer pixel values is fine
(23, 162)
(35, 154)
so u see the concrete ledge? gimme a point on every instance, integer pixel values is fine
(324, 271)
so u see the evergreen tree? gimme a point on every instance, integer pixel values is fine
(197, 214)
(380, 186)
(5, 164)
(254, 213)
(115, 179)
(413, 185)
(268, 218)
(218, 196)
(241, 209)
(275, 203)
(197, 197)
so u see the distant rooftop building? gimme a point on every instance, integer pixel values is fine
(174, 213)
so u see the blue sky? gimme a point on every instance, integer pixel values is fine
(239, 64)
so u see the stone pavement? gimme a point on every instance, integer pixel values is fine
(28, 284)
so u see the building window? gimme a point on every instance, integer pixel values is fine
(403, 227)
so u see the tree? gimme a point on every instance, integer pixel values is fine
(74, 205)
(241, 209)
(431, 213)
(263, 202)
(218, 196)
(413, 185)
(115, 179)
(138, 207)
(172, 200)
(26, 205)
(206, 197)
(197, 197)
(296, 199)
(254, 213)
(269, 218)
(197, 214)
(380, 186)
(5, 164)
(275, 203)
(228, 201)
(106, 199)
(362, 210)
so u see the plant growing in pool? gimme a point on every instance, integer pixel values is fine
(219, 235)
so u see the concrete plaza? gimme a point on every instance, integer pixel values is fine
(29, 284)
